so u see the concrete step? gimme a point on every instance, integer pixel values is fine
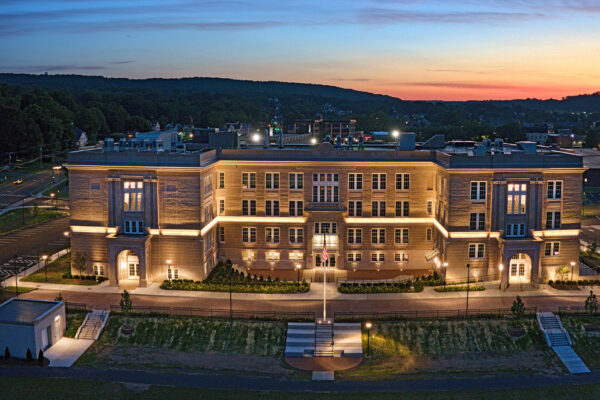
(571, 360)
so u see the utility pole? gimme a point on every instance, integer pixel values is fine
(468, 281)
(16, 275)
(41, 157)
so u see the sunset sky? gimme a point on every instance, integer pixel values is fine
(414, 49)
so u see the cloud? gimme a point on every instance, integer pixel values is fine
(467, 85)
(121, 62)
(56, 68)
(390, 16)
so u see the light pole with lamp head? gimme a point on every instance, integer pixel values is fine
(500, 268)
(468, 286)
(368, 325)
(67, 239)
(45, 258)
(169, 271)
(298, 267)
(572, 267)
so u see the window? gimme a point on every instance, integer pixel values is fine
(553, 220)
(296, 181)
(516, 198)
(99, 269)
(208, 184)
(377, 257)
(248, 207)
(378, 236)
(173, 273)
(401, 236)
(478, 190)
(221, 180)
(208, 213)
(221, 234)
(296, 208)
(552, 249)
(378, 209)
(135, 227)
(379, 181)
(401, 257)
(272, 235)
(296, 255)
(132, 195)
(325, 227)
(296, 235)
(248, 235)
(402, 209)
(249, 255)
(476, 250)
(354, 257)
(209, 241)
(554, 190)
(325, 188)
(248, 180)
(318, 260)
(221, 206)
(477, 222)
(354, 235)
(272, 256)
(272, 207)
(515, 230)
(429, 235)
(402, 181)
(272, 180)
(355, 208)
(429, 207)
(354, 181)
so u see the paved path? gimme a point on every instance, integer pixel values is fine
(66, 351)
(235, 382)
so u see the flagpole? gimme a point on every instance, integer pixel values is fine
(324, 282)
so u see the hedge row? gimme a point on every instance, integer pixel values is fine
(237, 287)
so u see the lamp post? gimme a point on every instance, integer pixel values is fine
(298, 267)
(228, 263)
(500, 268)
(53, 195)
(572, 267)
(368, 325)
(45, 258)
(169, 272)
(67, 241)
(16, 275)
(468, 283)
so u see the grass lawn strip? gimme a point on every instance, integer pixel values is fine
(56, 270)
(13, 220)
(13, 289)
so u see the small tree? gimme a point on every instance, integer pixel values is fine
(125, 303)
(591, 248)
(28, 355)
(591, 303)
(563, 272)
(6, 353)
(79, 262)
(518, 307)
(59, 297)
(41, 357)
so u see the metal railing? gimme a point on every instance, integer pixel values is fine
(427, 314)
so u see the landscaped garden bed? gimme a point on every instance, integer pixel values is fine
(573, 285)
(59, 271)
(391, 287)
(219, 279)
(462, 288)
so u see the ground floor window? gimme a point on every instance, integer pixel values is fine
(134, 270)
(401, 257)
(377, 257)
(354, 257)
(98, 269)
(552, 249)
(331, 260)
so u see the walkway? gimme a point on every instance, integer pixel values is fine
(66, 351)
(559, 340)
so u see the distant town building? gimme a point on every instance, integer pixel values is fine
(322, 127)
(80, 137)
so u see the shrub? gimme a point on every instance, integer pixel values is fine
(518, 307)
(41, 357)
(28, 356)
(591, 303)
(6, 353)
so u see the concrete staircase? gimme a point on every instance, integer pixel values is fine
(92, 325)
(324, 340)
(347, 339)
(560, 341)
(300, 341)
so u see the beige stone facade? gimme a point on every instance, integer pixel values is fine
(145, 217)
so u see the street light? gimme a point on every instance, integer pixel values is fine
(572, 267)
(256, 138)
(169, 272)
(468, 282)
(500, 267)
(368, 325)
(313, 140)
(395, 134)
(53, 195)
(16, 275)
(45, 258)
(298, 267)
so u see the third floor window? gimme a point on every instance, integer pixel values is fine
(248, 207)
(478, 190)
(378, 209)
(402, 209)
(477, 222)
(296, 208)
(272, 207)
(554, 190)
(296, 181)
(355, 208)
(516, 202)
(402, 181)
(553, 220)
(248, 180)
(272, 180)
(132, 195)
(379, 181)
(354, 181)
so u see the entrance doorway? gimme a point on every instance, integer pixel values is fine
(129, 267)
(520, 269)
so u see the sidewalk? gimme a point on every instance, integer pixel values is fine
(315, 293)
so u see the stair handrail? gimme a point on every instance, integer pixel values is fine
(82, 325)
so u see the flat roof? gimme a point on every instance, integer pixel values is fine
(25, 311)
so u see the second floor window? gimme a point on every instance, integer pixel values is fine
(378, 236)
(221, 206)
(402, 181)
(325, 228)
(355, 208)
(221, 234)
(552, 249)
(248, 235)
(402, 209)
(476, 250)
(272, 180)
(478, 190)
(354, 181)
(208, 184)
(296, 208)
(248, 207)
(401, 236)
(429, 235)
(325, 188)
(296, 235)
(133, 227)
(221, 180)
(516, 202)
(133, 194)
(515, 230)
(553, 220)
(272, 235)
(477, 222)
(296, 181)
(248, 180)
(208, 213)
(554, 190)
(379, 181)
(272, 207)
(378, 209)
(354, 236)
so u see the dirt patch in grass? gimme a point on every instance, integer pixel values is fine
(477, 346)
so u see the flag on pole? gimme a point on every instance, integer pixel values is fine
(324, 255)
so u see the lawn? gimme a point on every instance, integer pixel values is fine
(12, 290)
(450, 346)
(190, 342)
(77, 389)
(585, 345)
(13, 220)
(56, 269)
(74, 321)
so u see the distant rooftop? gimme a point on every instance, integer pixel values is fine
(25, 311)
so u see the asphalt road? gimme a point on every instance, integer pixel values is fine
(32, 183)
